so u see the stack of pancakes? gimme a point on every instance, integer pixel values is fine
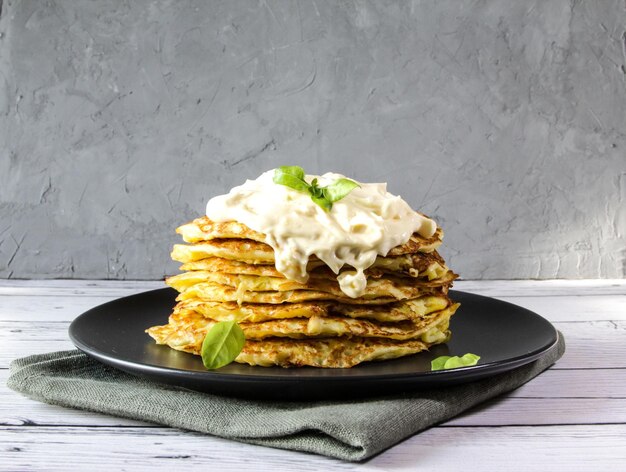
(230, 276)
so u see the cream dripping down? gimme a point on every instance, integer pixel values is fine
(368, 222)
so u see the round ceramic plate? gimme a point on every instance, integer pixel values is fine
(504, 335)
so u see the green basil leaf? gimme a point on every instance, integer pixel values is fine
(315, 191)
(437, 364)
(322, 202)
(339, 189)
(222, 344)
(464, 361)
(447, 362)
(296, 171)
(291, 181)
(293, 177)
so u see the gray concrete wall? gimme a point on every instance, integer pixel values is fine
(503, 120)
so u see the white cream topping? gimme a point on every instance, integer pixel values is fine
(368, 222)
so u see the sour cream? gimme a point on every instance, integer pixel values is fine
(367, 223)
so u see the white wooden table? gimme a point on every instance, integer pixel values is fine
(571, 418)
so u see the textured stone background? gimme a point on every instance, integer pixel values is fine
(504, 120)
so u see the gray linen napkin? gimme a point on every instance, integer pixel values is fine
(351, 430)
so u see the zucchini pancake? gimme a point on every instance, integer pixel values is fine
(314, 275)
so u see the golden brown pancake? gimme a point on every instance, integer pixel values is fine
(257, 312)
(399, 287)
(327, 353)
(186, 331)
(250, 252)
(188, 324)
(255, 252)
(430, 265)
(270, 290)
(203, 229)
(223, 293)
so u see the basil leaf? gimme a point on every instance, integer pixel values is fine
(222, 344)
(447, 362)
(339, 189)
(296, 171)
(437, 364)
(293, 177)
(291, 181)
(464, 361)
(315, 191)
(322, 202)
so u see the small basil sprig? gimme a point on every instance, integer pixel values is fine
(222, 344)
(293, 177)
(453, 362)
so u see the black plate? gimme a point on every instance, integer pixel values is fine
(504, 335)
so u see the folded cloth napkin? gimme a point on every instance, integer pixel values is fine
(351, 430)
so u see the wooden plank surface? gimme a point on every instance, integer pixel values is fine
(572, 417)
(557, 448)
